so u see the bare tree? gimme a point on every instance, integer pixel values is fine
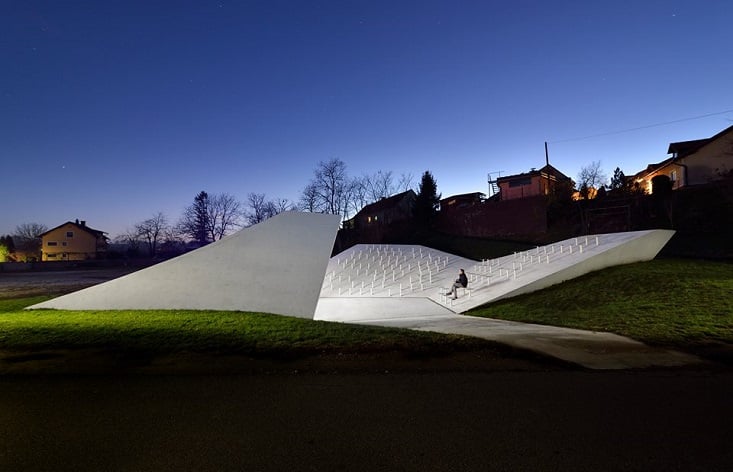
(152, 231)
(210, 217)
(283, 204)
(30, 230)
(27, 237)
(591, 176)
(258, 210)
(224, 215)
(261, 209)
(130, 241)
(309, 198)
(330, 189)
(405, 182)
(380, 185)
(360, 192)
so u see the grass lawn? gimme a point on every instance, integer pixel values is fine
(686, 304)
(256, 335)
(683, 304)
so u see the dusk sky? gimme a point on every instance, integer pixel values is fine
(111, 111)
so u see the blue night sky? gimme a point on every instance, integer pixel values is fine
(111, 111)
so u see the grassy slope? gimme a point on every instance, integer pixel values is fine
(253, 334)
(669, 302)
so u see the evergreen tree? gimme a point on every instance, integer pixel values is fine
(195, 222)
(427, 200)
(618, 182)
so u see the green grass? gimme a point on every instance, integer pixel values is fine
(686, 304)
(254, 334)
(683, 304)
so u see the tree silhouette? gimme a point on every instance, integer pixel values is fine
(427, 201)
(195, 220)
(152, 231)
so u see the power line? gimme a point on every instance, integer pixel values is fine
(641, 127)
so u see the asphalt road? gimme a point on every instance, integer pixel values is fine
(564, 421)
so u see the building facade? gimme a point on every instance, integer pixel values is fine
(73, 241)
(530, 184)
(696, 162)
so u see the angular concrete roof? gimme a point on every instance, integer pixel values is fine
(276, 266)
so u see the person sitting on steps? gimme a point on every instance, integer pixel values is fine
(461, 281)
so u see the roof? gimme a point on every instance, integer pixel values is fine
(94, 232)
(685, 148)
(548, 169)
(466, 196)
(388, 202)
(679, 150)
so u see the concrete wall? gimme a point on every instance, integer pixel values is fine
(276, 267)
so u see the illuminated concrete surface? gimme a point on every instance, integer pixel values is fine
(276, 266)
(282, 266)
(406, 272)
(404, 286)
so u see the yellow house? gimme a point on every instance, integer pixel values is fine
(692, 162)
(73, 241)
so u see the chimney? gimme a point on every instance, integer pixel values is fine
(83, 223)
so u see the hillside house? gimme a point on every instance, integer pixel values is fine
(73, 241)
(530, 184)
(394, 209)
(464, 200)
(692, 162)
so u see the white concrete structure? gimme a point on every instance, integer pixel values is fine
(275, 267)
(369, 281)
(278, 266)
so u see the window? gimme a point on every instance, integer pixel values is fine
(69, 234)
(63, 243)
(52, 243)
(673, 176)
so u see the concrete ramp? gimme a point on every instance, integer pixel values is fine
(276, 266)
(409, 272)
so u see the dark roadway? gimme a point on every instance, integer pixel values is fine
(564, 421)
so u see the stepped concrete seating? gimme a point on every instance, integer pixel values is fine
(400, 275)
(276, 266)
